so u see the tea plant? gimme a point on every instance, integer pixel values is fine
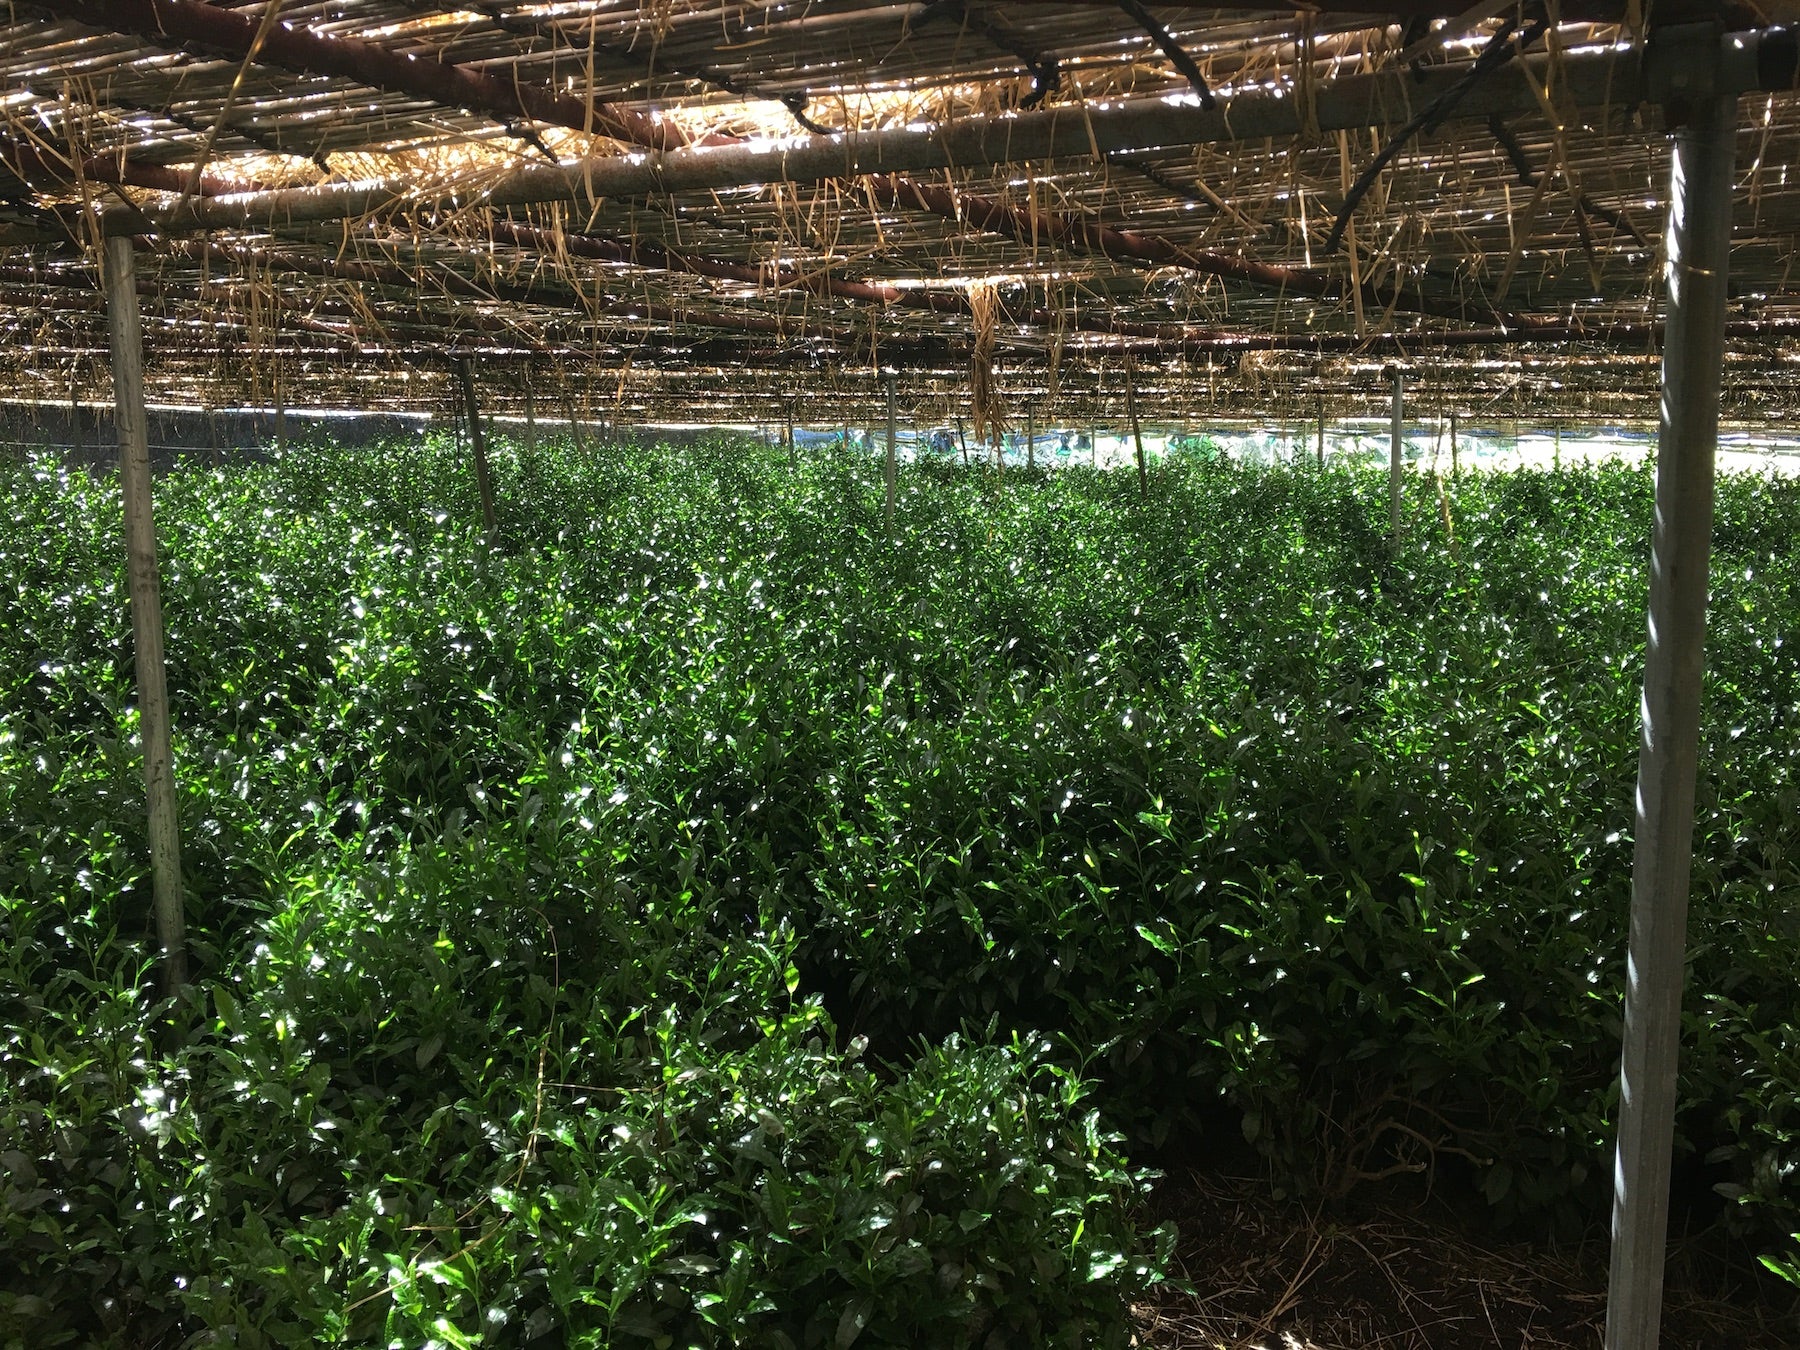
(547, 891)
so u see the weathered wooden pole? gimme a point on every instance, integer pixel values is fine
(77, 433)
(1321, 431)
(125, 333)
(1396, 453)
(892, 471)
(484, 482)
(574, 423)
(1137, 432)
(788, 434)
(1699, 258)
(1030, 437)
(1455, 465)
(962, 440)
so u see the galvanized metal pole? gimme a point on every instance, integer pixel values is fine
(125, 332)
(893, 431)
(1699, 244)
(1396, 453)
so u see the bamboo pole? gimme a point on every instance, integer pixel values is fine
(484, 482)
(125, 333)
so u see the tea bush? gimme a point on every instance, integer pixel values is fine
(545, 895)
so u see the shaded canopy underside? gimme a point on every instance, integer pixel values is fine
(1512, 260)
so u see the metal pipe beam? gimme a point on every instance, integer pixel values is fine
(177, 23)
(1136, 124)
(1079, 233)
(41, 168)
(1699, 256)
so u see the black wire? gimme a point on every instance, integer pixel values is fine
(1046, 79)
(1496, 54)
(796, 104)
(1171, 49)
(1046, 71)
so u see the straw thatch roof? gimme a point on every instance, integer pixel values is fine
(667, 210)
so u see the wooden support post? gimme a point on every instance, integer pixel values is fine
(892, 453)
(1556, 453)
(484, 482)
(1137, 432)
(1396, 453)
(962, 440)
(575, 424)
(1321, 431)
(77, 432)
(1030, 437)
(1455, 464)
(1699, 261)
(125, 333)
(530, 418)
(788, 435)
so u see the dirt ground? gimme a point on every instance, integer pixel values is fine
(1263, 1274)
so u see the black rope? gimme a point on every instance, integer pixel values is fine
(1171, 49)
(1500, 50)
